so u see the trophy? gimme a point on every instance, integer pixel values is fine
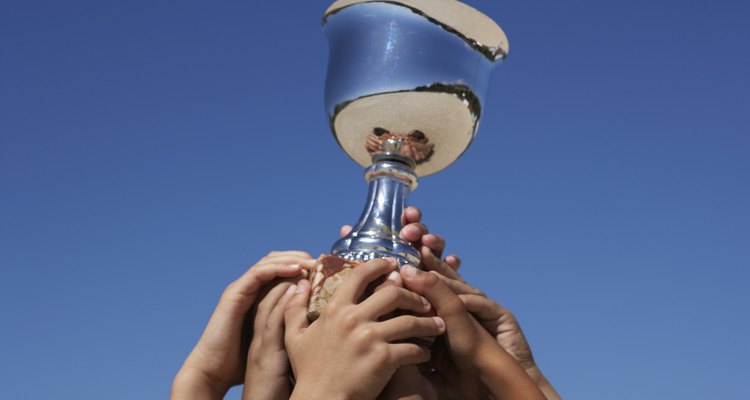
(404, 91)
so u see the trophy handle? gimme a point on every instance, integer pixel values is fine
(390, 179)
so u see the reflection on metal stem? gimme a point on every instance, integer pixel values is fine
(376, 235)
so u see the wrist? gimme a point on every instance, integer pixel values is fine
(542, 383)
(191, 383)
(304, 391)
(502, 374)
(535, 374)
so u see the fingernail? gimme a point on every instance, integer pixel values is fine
(293, 288)
(391, 260)
(393, 276)
(439, 322)
(294, 266)
(409, 271)
(425, 302)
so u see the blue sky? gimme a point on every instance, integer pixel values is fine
(150, 151)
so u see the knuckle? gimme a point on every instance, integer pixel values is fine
(349, 321)
(367, 334)
(453, 304)
(229, 291)
(510, 316)
(417, 353)
(331, 309)
(411, 324)
(432, 280)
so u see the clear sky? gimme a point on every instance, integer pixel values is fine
(150, 151)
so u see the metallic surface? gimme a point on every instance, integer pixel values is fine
(376, 233)
(405, 86)
(429, 78)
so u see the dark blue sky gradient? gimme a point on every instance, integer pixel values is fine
(150, 151)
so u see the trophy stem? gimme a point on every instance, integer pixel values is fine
(390, 180)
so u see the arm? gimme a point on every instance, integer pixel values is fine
(267, 375)
(495, 319)
(217, 362)
(469, 347)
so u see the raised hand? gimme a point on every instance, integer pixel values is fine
(494, 318)
(348, 353)
(473, 353)
(217, 362)
(267, 376)
(408, 382)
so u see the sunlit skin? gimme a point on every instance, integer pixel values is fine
(275, 280)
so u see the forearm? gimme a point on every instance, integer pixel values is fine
(194, 385)
(542, 383)
(259, 386)
(303, 391)
(504, 377)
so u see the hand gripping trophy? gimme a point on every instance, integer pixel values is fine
(405, 87)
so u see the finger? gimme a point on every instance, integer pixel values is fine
(413, 232)
(275, 321)
(356, 282)
(393, 279)
(268, 302)
(460, 287)
(409, 326)
(241, 294)
(434, 242)
(434, 263)
(481, 307)
(286, 253)
(392, 298)
(284, 258)
(447, 305)
(453, 261)
(295, 310)
(411, 214)
(345, 229)
(306, 263)
(409, 353)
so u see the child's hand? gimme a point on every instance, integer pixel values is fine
(408, 382)
(348, 353)
(218, 360)
(414, 232)
(496, 320)
(267, 373)
(471, 351)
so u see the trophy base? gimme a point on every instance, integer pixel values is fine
(327, 275)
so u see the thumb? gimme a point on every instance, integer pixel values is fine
(295, 311)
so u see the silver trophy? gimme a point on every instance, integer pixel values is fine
(405, 87)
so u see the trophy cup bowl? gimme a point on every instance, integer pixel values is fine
(404, 92)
